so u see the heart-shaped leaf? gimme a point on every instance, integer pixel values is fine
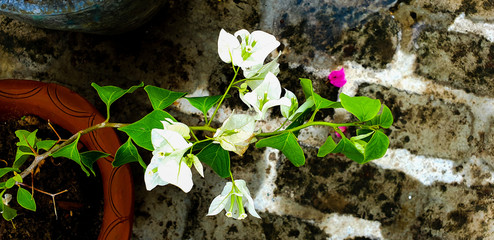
(217, 158)
(162, 98)
(287, 143)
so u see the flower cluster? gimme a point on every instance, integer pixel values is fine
(260, 91)
(176, 146)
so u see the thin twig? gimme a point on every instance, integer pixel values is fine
(32, 183)
(52, 195)
(39, 158)
(59, 138)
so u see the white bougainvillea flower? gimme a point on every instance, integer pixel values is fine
(178, 127)
(265, 96)
(167, 141)
(250, 51)
(174, 170)
(289, 111)
(229, 48)
(169, 148)
(192, 159)
(236, 133)
(151, 176)
(233, 198)
(255, 46)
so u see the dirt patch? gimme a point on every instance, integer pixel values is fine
(79, 210)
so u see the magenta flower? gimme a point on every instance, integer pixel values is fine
(343, 129)
(337, 78)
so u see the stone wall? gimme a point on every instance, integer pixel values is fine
(431, 62)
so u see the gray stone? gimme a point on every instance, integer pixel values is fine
(425, 125)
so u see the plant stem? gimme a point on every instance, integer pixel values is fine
(40, 157)
(202, 128)
(224, 95)
(281, 125)
(313, 116)
(308, 124)
(194, 136)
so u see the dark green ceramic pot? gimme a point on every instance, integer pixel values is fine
(91, 16)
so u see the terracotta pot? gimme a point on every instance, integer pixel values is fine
(73, 113)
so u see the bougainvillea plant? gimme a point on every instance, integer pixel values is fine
(177, 148)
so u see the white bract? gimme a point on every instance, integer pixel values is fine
(167, 165)
(152, 177)
(258, 72)
(289, 111)
(192, 159)
(252, 50)
(265, 96)
(178, 127)
(236, 133)
(233, 198)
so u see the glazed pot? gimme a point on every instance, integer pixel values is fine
(73, 113)
(91, 16)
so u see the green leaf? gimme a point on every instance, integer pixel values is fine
(348, 148)
(140, 131)
(25, 199)
(306, 87)
(162, 98)
(6, 170)
(46, 144)
(127, 153)
(8, 213)
(362, 136)
(319, 102)
(375, 121)
(26, 138)
(217, 158)
(299, 120)
(307, 105)
(204, 103)
(110, 94)
(322, 103)
(328, 146)
(363, 108)
(71, 152)
(21, 155)
(90, 157)
(201, 145)
(287, 143)
(10, 182)
(360, 145)
(386, 119)
(17, 178)
(377, 146)
(365, 132)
